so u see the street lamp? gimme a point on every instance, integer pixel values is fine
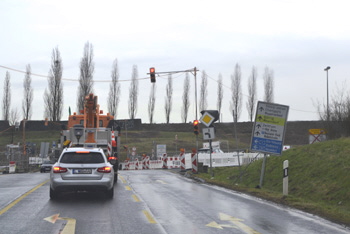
(326, 69)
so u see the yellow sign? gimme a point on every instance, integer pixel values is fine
(317, 131)
(207, 119)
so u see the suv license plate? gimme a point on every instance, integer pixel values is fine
(82, 171)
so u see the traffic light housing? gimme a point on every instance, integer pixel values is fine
(152, 72)
(196, 127)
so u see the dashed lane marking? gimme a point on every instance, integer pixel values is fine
(149, 216)
(136, 198)
(123, 180)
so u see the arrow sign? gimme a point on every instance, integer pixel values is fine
(208, 133)
(69, 227)
(269, 128)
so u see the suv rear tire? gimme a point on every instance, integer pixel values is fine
(53, 194)
(110, 193)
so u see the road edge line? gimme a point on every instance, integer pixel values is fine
(12, 204)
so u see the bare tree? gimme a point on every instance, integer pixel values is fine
(28, 94)
(87, 67)
(185, 99)
(14, 116)
(337, 123)
(268, 85)
(168, 99)
(339, 106)
(53, 96)
(236, 89)
(152, 103)
(6, 99)
(220, 94)
(203, 92)
(133, 93)
(114, 91)
(252, 93)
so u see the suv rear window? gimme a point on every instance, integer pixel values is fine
(73, 157)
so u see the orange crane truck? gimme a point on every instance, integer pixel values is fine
(90, 129)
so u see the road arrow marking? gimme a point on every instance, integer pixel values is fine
(219, 226)
(161, 181)
(238, 223)
(52, 218)
(69, 227)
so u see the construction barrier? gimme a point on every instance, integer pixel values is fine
(165, 161)
(173, 162)
(189, 161)
(183, 161)
(194, 162)
(137, 164)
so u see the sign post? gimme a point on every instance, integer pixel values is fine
(208, 118)
(269, 130)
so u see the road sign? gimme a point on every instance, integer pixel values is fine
(317, 135)
(269, 128)
(208, 133)
(207, 119)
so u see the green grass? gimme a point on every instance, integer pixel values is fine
(319, 179)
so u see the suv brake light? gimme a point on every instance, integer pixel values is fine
(59, 170)
(104, 169)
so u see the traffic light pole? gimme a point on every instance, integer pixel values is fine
(194, 70)
(195, 90)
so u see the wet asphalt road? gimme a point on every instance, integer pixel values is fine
(147, 202)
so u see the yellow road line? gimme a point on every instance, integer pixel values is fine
(136, 199)
(12, 204)
(149, 216)
(128, 188)
(123, 180)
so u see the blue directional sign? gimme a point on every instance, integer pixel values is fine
(269, 128)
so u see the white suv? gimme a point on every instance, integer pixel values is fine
(81, 169)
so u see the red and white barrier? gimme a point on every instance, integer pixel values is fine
(137, 164)
(173, 162)
(165, 161)
(194, 162)
(182, 159)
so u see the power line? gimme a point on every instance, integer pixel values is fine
(143, 78)
(248, 96)
(66, 79)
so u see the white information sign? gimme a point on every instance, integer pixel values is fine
(161, 150)
(269, 128)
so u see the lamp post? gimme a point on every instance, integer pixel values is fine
(326, 69)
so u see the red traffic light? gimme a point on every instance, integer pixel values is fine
(152, 72)
(196, 127)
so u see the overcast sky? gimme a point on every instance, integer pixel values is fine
(296, 39)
